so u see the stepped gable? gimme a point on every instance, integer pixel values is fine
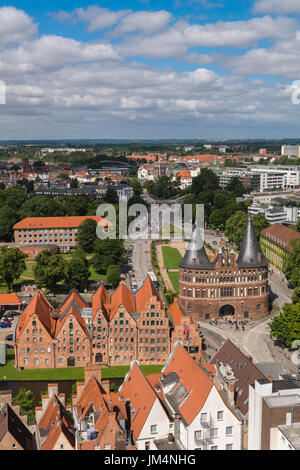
(39, 306)
(72, 306)
(144, 294)
(123, 296)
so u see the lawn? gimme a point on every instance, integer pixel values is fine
(8, 372)
(171, 256)
(174, 278)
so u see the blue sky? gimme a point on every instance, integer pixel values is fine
(149, 69)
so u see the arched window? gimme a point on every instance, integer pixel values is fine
(204, 294)
(258, 307)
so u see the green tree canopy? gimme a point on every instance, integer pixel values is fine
(108, 252)
(78, 271)
(86, 235)
(236, 225)
(113, 275)
(286, 326)
(8, 218)
(12, 264)
(50, 269)
(291, 265)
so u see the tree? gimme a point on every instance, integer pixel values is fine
(87, 235)
(113, 275)
(206, 180)
(50, 269)
(217, 218)
(8, 218)
(12, 264)
(236, 225)
(108, 252)
(291, 265)
(298, 225)
(78, 271)
(286, 326)
(112, 196)
(296, 296)
(26, 401)
(74, 183)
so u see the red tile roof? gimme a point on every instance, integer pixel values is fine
(138, 390)
(144, 294)
(176, 312)
(57, 420)
(195, 381)
(281, 235)
(9, 299)
(39, 306)
(56, 222)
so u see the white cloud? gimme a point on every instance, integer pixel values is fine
(277, 6)
(145, 21)
(52, 52)
(16, 26)
(175, 41)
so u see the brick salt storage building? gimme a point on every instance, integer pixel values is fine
(229, 285)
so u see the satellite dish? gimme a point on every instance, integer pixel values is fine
(296, 354)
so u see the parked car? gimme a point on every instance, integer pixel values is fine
(9, 337)
(4, 325)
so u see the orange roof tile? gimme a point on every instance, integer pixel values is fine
(176, 312)
(138, 390)
(144, 294)
(195, 381)
(39, 306)
(9, 299)
(123, 296)
(56, 222)
(57, 420)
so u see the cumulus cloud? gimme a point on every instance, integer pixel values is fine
(277, 6)
(175, 41)
(145, 21)
(51, 52)
(16, 26)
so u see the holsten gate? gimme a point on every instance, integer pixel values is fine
(228, 285)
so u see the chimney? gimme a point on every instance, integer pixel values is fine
(91, 371)
(79, 388)
(105, 385)
(52, 389)
(177, 427)
(230, 395)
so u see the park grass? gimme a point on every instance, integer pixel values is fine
(174, 278)
(10, 373)
(171, 256)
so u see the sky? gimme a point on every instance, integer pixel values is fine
(149, 69)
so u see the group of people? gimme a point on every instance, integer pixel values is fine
(234, 324)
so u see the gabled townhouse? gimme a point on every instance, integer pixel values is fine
(147, 418)
(55, 425)
(203, 420)
(235, 372)
(128, 326)
(100, 417)
(15, 433)
(48, 338)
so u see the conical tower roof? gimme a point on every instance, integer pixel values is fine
(196, 257)
(250, 253)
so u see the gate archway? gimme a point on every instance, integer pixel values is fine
(226, 310)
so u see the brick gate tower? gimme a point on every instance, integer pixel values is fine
(228, 285)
